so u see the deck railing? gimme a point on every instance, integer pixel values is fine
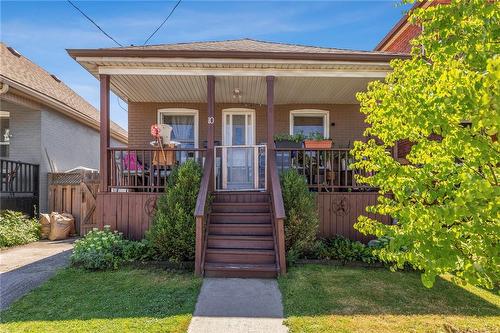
(327, 169)
(18, 177)
(147, 169)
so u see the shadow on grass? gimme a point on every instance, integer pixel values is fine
(315, 290)
(126, 293)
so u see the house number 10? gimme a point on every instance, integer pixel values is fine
(211, 120)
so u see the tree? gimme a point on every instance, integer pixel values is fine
(446, 200)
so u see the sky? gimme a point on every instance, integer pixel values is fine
(43, 30)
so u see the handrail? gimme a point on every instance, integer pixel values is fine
(278, 211)
(205, 182)
(200, 213)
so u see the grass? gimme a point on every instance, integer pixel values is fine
(340, 299)
(126, 300)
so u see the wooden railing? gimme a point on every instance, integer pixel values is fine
(324, 169)
(278, 213)
(201, 212)
(147, 169)
(19, 177)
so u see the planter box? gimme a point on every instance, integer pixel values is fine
(287, 144)
(316, 144)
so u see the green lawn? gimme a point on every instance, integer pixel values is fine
(126, 300)
(340, 299)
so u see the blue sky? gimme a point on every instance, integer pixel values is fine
(42, 30)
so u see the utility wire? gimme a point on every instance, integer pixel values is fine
(161, 25)
(94, 23)
(120, 105)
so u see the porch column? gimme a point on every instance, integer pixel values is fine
(270, 112)
(104, 130)
(210, 112)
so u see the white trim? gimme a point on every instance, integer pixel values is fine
(238, 111)
(302, 72)
(182, 112)
(312, 113)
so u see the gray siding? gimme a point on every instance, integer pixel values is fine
(25, 131)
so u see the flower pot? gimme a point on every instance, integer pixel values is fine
(318, 144)
(287, 144)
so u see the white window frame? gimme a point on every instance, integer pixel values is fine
(182, 112)
(239, 111)
(312, 113)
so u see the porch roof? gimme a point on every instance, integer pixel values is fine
(177, 72)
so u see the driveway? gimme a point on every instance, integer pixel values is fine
(25, 267)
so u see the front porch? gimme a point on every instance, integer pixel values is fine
(225, 109)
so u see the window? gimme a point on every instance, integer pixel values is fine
(309, 121)
(4, 134)
(184, 124)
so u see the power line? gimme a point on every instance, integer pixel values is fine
(120, 105)
(94, 23)
(161, 25)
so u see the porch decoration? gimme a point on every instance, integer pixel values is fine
(164, 158)
(288, 140)
(317, 141)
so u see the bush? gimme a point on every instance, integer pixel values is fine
(104, 249)
(343, 249)
(172, 233)
(301, 223)
(17, 229)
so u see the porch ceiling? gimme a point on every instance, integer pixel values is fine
(288, 90)
(184, 80)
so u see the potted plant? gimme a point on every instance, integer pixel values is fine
(288, 141)
(317, 141)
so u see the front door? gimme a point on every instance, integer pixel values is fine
(238, 160)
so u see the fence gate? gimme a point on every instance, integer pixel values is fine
(75, 193)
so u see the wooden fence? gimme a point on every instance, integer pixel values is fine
(75, 193)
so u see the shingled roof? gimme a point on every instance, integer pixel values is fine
(238, 48)
(20, 70)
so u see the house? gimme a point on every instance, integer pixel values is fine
(225, 101)
(45, 126)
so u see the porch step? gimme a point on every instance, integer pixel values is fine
(240, 270)
(240, 242)
(241, 197)
(240, 256)
(248, 207)
(240, 229)
(240, 239)
(240, 217)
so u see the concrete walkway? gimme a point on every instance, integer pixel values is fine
(238, 305)
(25, 267)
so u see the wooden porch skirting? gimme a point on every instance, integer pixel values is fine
(128, 212)
(339, 211)
(131, 213)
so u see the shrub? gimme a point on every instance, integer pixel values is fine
(99, 249)
(301, 223)
(17, 229)
(104, 249)
(345, 250)
(172, 233)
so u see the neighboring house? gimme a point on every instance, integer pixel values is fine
(225, 101)
(45, 126)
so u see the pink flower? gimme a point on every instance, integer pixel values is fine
(155, 131)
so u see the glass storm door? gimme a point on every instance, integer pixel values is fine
(238, 161)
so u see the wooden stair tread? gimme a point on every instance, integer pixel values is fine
(240, 237)
(241, 267)
(240, 251)
(240, 213)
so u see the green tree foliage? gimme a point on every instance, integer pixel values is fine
(446, 201)
(301, 223)
(172, 234)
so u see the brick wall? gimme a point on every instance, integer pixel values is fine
(401, 43)
(349, 124)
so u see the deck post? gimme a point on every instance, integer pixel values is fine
(270, 121)
(210, 111)
(104, 131)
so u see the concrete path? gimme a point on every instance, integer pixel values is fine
(25, 267)
(238, 305)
